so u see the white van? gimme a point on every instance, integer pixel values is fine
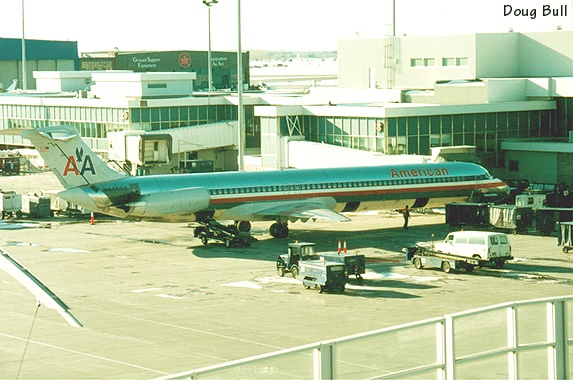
(492, 246)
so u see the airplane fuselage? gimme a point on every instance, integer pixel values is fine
(235, 195)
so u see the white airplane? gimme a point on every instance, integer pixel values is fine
(280, 195)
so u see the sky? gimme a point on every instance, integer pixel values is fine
(295, 25)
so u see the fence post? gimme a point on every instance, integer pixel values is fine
(449, 349)
(512, 367)
(324, 362)
(559, 332)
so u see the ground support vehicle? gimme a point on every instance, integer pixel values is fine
(467, 214)
(354, 264)
(494, 247)
(565, 239)
(36, 206)
(60, 206)
(424, 257)
(9, 165)
(10, 204)
(547, 219)
(296, 252)
(510, 217)
(323, 276)
(230, 235)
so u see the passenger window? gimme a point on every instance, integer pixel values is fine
(477, 240)
(493, 240)
(461, 240)
(450, 239)
(503, 239)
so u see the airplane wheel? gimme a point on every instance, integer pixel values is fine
(273, 229)
(279, 231)
(244, 226)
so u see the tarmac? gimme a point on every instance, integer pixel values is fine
(155, 301)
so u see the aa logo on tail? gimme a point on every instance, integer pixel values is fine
(72, 164)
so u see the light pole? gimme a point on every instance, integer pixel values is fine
(240, 121)
(210, 3)
(24, 79)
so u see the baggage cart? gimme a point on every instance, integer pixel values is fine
(323, 276)
(36, 206)
(546, 219)
(467, 214)
(354, 264)
(511, 217)
(565, 239)
(10, 204)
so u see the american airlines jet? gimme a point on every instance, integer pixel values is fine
(280, 196)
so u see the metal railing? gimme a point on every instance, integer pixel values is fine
(525, 339)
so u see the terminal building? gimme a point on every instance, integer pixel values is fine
(224, 65)
(403, 99)
(40, 56)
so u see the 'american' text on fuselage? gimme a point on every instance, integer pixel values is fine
(419, 172)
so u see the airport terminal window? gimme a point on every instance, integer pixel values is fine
(502, 121)
(479, 122)
(462, 61)
(412, 125)
(458, 123)
(448, 61)
(428, 62)
(416, 62)
(513, 166)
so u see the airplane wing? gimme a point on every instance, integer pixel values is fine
(304, 211)
(43, 294)
(317, 208)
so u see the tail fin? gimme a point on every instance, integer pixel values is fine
(71, 160)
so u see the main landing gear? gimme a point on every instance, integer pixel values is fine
(279, 230)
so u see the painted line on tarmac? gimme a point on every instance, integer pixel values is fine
(86, 354)
(188, 329)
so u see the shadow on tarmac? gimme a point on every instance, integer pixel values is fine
(388, 239)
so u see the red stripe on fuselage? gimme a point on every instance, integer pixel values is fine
(349, 191)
